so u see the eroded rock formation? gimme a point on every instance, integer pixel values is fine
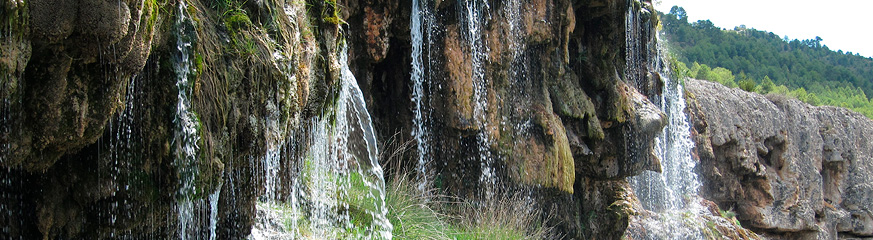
(789, 170)
(559, 88)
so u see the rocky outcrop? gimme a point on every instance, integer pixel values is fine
(555, 93)
(77, 57)
(90, 100)
(789, 170)
(712, 223)
(544, 90)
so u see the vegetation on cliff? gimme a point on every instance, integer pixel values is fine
(547, 98)
(763, 62)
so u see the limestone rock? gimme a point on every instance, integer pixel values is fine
(788, 168)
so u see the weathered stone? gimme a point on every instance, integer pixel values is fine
(790, 169)
(607, 208)
(89, 163)
(562, 111)
(376, 24)
(459, 68)
(53, 21)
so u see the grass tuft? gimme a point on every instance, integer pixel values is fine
(427, 214)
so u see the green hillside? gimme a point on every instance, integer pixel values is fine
(761, 61)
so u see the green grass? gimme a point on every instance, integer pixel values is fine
(412, 212)
(429, 214)
(424, 214)
(417, 213)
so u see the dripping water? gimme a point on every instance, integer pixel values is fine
(475, 19)
(270, 162)
(196, 210)
(12, 186)
(121, 143)
(339, 177)
(421, 30)
(520, 122)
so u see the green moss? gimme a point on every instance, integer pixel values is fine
(331, 13)
(569, 100)
(236, 19)
(334, 20)
(238, 23)
(620, 106)
(563, 165)
(199, 64)
(13, 18)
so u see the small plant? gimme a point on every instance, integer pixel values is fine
(412, 211)
(713, 232)
(237, 18)
(727, 214)
(730, 215)
(331, 13)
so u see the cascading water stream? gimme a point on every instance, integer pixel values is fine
(197, 215)
(677, 182)
(673, 192)
(474, 10)
(474, 17)
(339, 184)
(186, 135)
(421, 31)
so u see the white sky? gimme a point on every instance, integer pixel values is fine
(842, 24)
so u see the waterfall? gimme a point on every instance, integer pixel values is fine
(271, 160)
(213, 212)
(197, 215)
(421, 27)
(342, 171)
(677, 182)
(186, 136)
(339, 189)
(474, 16)
(473, 19)
(673, 192)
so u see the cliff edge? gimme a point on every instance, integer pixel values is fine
(790, 170)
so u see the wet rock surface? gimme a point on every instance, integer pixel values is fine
(559, 90)
(789, 170)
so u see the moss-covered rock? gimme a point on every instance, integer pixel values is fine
(552, 103)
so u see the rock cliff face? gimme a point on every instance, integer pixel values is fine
(91, 96)
(552, 94)
(789, 170)
(547, 96)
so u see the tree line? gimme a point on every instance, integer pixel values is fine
(759, 61)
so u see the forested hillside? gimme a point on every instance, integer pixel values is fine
(761, 61)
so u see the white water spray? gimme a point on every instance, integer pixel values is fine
(421, 29)
(339, 189)
(197, 215)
